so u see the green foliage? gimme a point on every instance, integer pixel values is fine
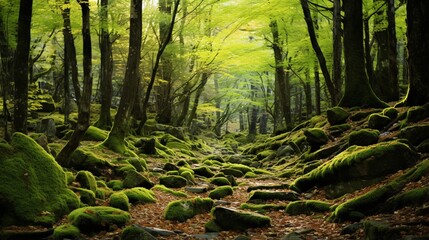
(181, 210)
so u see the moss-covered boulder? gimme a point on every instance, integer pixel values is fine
(412, 198)
(337, 115)
(220, 181)
(136, 179)
(221, 192)
(307, 207)
(139, 163)
(95, 134)
(86, 180)
(67, 231)
(33, 187)
(233, 172)
(140, 195)
(85, 159)
(234, 219)
(115, 185)
(364, 137)
(119, 200)
(181, 210)
(359, 163)
(376, 230)
(241, 167)
(417, 113)
(86, 196)
(316, 137)
(173, 181)
(416, 133)
(204, 171)
(95, 219)
(378, 121)
(170, 191)
(257, 196)
(390, 112)
(135, 232)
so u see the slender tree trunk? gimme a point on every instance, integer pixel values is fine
(242, 122)
(393, 52)
(368, 58)
(66, 66)
(308, 95)
(85, 101)
(116, 138)
(21, 66)
(318, 51)
(317, 89)
(337, 50)
(358, 91)
(106, 68)
(263, 123)
(218, 125)
(6, 61)
(253, 115)
(199, 91)
(418, 52)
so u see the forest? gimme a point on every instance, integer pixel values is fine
(214, 119)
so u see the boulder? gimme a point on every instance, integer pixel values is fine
(220, 181)
(307, 207)
(337, 115)
(95, 134)
(415, 134)
(135, 232)
(119, 200)
(173, 181)
(33, 187)
(96, 219)
(86, 180)
(221, 192)
(181, 210)
(67, 231)
(316, 137)
(390, 112)
(417, 113)
(364, 137)
(204, 171)
(85, 196)
(378, 121)
(233, 219)
(136, 179)
(140, 195)
(377, 230)
(47, 126)
(257, 195)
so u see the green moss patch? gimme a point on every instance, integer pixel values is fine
(181, 210)
(33, 187)
(86, 180)
(204, 171)
(135, 232)
(257, 196)
(170, 191)
(378, 121)
(221, 192)
(86, 196)
(115, 185)
(136, 179)
(67, 231)
(119, 200)
(95, 134)
(307, 207)
(95, 219)
(337, 115)
(140, 195)
(364, 137)
(415, 134)
(220, 181)
(85, 159)
(234, 219)
(316, 137)
(173, 181)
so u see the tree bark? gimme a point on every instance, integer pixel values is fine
(199, 91)
(116, 139)
(337, 50)
(418, 52)
(358, 91)
(106, 68)
(253, 115)
(317, 89)
(21, 66)
(85, 101)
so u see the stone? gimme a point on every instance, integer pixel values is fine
(181, 210)
(351, 228)
(378, 121)
(376, 230)
(136, 179)
(196, 189)
(203, 171)
(173, 181)
(233, 219)
(136, 232)
(256, 196)
(337, 115)
(364, 137)
(415, 134)
(316, 137)
(47, 126)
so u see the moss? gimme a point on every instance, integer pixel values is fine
(135, 232)
(320, 154)
(181, 210)
(33, 186)
(380, 231)
(243, 168)
(231, 219)
(95, 134)
(390, 112)
(115, 185)
(124, 169)
(173, 172)
(119, 200)
(170, 191)
(173, 181)
(85, 159)
(67, 231)
(221, 192)
(378, 121)
(262, 208)
(337, 115)
(363, 137)
(69, 177)
(316, 137)
(250, 175)
(233, 172)
(139, 164)
(204, 171)
(266, 153)
(307, 207)
(86, 180)
(140, 195)
(101, 184)
(188, 175)
(414, 197)
(262, 171)
(359, 163)
(257, 196)
(416, 133)
(220, 181)
(95, 219)
(103, 192)
(211, 226)
(416, 113)
(86, 196)
(136, 179)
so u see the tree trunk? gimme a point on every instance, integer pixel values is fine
(318, 51)
(6, 61)
(85, 101)
(116, 138)
(418, 52)
(263, 123)
(358, 91)
(21, 66)
(199, 91)
(253, 115)
(106, 68)
(317, 89)
(368, 58)
(337, 50)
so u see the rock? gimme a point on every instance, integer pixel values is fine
(26, 235)
(337, 130)
(42, 140)
(67, 231)
(95, 219)
(147, 145)
(47, 126)
(316, 137)
(207, 236)
(204, 171)
(159, 232)
(351, 228)
(337, 115)
(196, 189)
(242, 237)
(233, 219)
(139, 163)
(119, 200)
(181, 210)
(31, 184)
(173, 181)
(375, 230)
(415, 134)
(232, 172)
(115, 185)
(231, 179)
(378, 121)
(86, 180)
(221, 192)
(136, 179)
(307, 207)
(284, 151)
(268, 187)
(417, 113)
(170, 167)
(140, 195)
(135, 232)
(220, 181)
(273, 195)
(364, 137)
(423, 147)
(83, 159)
(95, 134)
(293, 236)
(86, 196)
(390, 112)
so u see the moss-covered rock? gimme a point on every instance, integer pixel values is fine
(320, 154)
(33, 187)
(95, 134)
(307, 207)
(85, 159)
(359, 163)
(415, 197)
(173, 181)
(188, 175)
(211, 226)
(115, 185)
(181, 210)
(233, 219)
(135, 232)
(140, 195)
(417, 113)
(390, 112)
(67, 231)
(139, 163)
(261, 208)
(375, 230)
(364, 137)
(416, 133)
(337, 130)
(86, 196)
(170, 191)
(337, 115)
(95, 219)
(119, 200)
(257, 196)
(220, 181)
(86, 180)
(233, 172)
(316, 137)
(241, 167)
(378, 121)
(204, 171)
(265, 154)
(221, 192)
(136, 179)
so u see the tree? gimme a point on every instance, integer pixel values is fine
(85, 101)
(358, 91)
(418, 52)
(116, 138)
(21, 66)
